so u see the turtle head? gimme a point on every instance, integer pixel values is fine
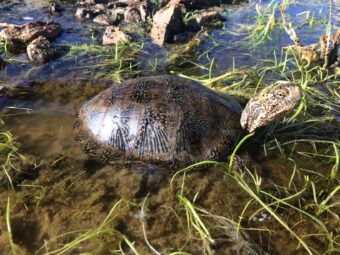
(274, 102)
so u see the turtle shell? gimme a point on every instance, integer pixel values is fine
(157, 119)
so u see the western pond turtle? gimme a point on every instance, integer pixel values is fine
(172, 120)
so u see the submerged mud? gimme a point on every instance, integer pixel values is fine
(60, 195)
(75, 197)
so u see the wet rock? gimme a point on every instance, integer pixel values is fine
(103, 19)
(167, 22)
(208, 18)
(41, 50)
(99, 9)
(199, 4)
(124, 3)
(143, 9)
(83, 13)
(54, 8)
(91, 2)
(113, 35)
(116, 15)
(334, 56)
(90, 12)
(117, 4)
(134, 10)
(307, 55)
(20, 35)
(132, 14)
(112, 17)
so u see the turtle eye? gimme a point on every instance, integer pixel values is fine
(281, 93)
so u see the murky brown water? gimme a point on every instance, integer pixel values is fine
(60, 191)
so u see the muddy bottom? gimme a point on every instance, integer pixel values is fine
(67, 192)
(55, 200)
(62, 196)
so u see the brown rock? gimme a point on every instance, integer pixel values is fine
(113, 35)
(132, 14)
(99, 9)
(205, 18)
(41, 50)
(199, 4)
(102, 19)
(21, 35)
(143, 9)
(124, 3)
(167, 22)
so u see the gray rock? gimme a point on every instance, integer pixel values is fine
(113, 35)
(167, 22)
(41, 50)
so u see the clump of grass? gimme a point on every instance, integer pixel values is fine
(236, 82)
(265, 25)
(194, 221)
(7, 56)
(271, 203)
(8, 153)
(116, 62)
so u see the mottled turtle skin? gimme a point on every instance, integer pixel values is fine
(157, 119)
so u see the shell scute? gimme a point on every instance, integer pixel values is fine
(158, 119)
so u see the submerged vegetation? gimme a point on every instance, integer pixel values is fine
(290, 193)
(8, 154)
(116, 62)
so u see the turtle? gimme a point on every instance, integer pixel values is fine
(171, 120)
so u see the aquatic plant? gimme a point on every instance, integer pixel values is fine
(9, 228)
(8, 153)
(194, 222)
(265, 24)
(114, 61)
(311, 132)
(302, 194)
(85, 235)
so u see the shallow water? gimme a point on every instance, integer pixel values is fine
(61, 190)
